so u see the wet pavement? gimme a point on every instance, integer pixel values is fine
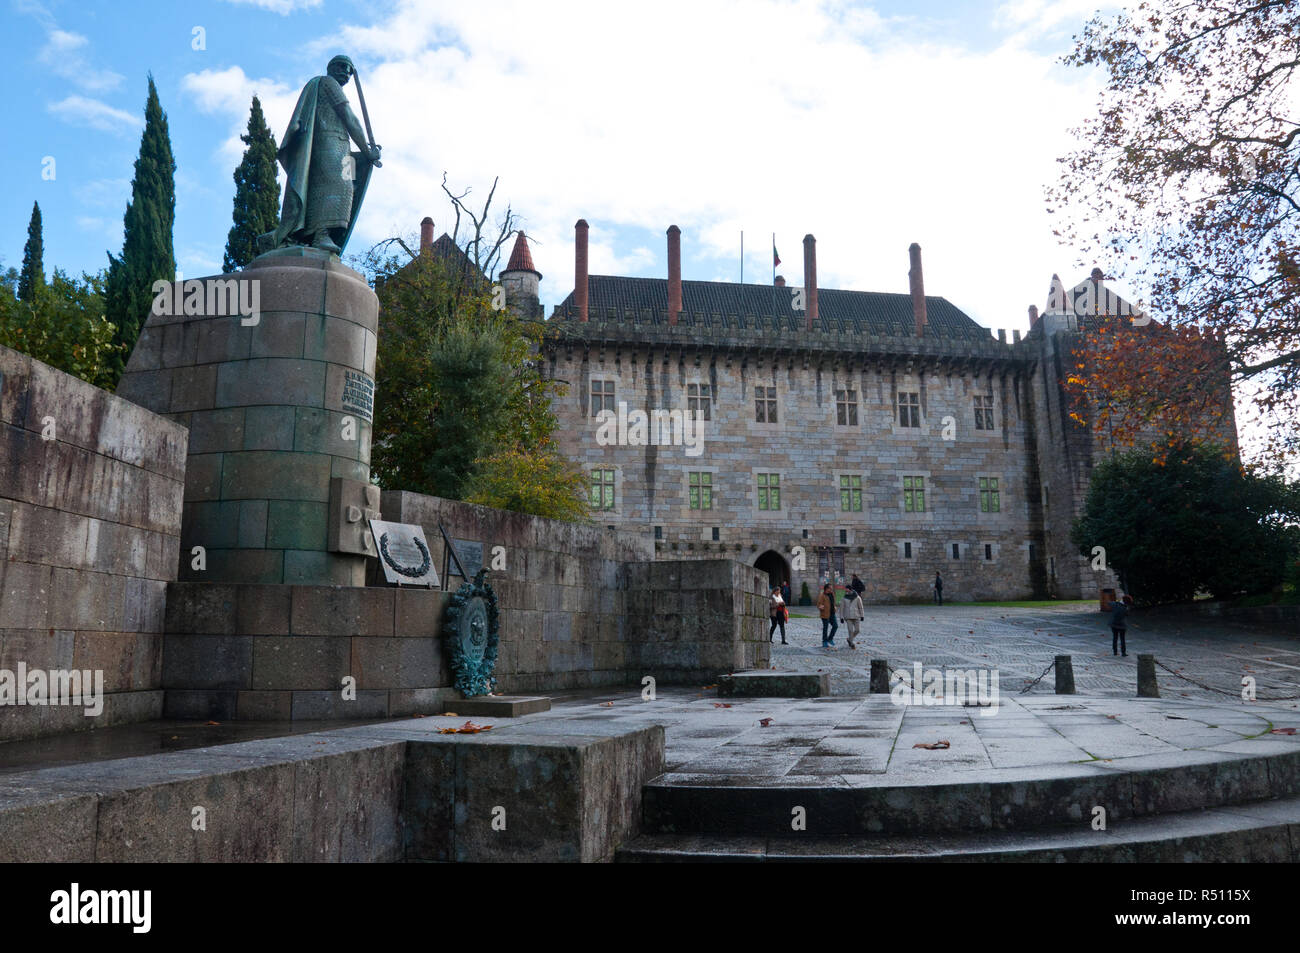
(1021, 643)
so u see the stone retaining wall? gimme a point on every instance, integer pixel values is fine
(581, 607)
(90, 506)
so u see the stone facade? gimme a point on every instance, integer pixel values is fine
(1003, 467)
(90, 505)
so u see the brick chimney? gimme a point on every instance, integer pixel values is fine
(810, 278)
(580, 268)
(426, 236)
(780, 281)
(1033, 315)
(917, 283)
(674, 273)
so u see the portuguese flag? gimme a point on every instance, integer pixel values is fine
(776, 259)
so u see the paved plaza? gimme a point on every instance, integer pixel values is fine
(1020, 643)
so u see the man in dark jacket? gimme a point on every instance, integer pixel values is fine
(1118, 627)
(938, 589)
(857, 585)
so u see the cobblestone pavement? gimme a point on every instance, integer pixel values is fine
(1021, 643)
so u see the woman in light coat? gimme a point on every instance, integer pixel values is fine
(852, 613)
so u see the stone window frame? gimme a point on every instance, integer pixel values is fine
(780, 487)
(773, 401)
(612, 484)
(988, 551)
(607, 395)
(963, 551)
(847, 407)
(900, 404)
(840, 477)
(906, 546)
(995, 493)
(927, 489)
(702, 472)
(987, 412)
(702, 400)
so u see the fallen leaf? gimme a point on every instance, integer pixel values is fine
(449, 714)
(936, 746)
(607, 705)
(419, 716)
(214, 723)
(469, 728)
(1282, 731)
(721, 705)
(764, 722)
(707, 687)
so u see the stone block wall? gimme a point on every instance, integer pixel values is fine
(895, 551)
(581, 607)
(90, 508)
(271, 401)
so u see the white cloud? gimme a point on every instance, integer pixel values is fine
(778, 120)
(282, 7)
(230, 92)
(65, 54)
(82, 110)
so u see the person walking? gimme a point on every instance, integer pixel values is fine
(857, 585)
(851, 612)
(1118, 627)
(938, 589)
(777, 611)
(785, 593)
(826, 608)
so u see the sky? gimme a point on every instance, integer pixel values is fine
(868, 125)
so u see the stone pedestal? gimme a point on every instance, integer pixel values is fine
(272, 369)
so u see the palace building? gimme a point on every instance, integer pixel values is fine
(829, 432)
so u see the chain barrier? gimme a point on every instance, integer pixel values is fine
(1050, 666)
(1221, 691)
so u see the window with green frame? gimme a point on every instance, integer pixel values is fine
(602, 489)
(989, 502)
(914, 494)
(701, 490)
(850, 493)
(769, 491)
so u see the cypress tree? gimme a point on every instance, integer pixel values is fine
(147, 253)
(32, 277)
(257, 193)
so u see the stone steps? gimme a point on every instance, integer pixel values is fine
(1216, 807)
(1001, 802)
(1261, 831)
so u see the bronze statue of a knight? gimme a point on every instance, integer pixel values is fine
(326, 181)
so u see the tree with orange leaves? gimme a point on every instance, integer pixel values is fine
(1188, 185)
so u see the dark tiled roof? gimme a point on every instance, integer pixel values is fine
(756, 306)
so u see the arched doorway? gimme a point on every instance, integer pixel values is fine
(774, 564)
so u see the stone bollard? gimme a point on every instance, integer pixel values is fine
(1147, 687)
(1064, 675)
(879, 676)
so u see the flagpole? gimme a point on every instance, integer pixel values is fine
(742, 256)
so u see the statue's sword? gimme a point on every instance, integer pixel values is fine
(365, 116)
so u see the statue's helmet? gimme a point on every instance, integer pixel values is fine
(342, 61)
